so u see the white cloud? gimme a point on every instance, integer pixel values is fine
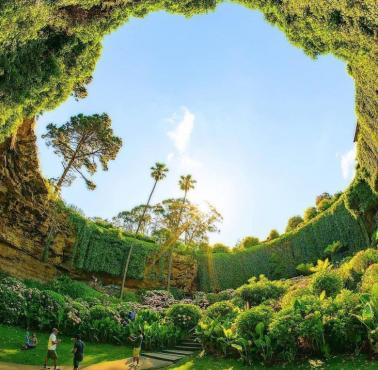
(181, 136)
(348, 163)
(182, 133)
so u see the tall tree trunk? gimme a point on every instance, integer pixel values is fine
(170, 265)
(65, 172)
(136, 233)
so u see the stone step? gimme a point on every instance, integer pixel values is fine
(163, 356)
(179, 352)
(188, 348)
(188, 343)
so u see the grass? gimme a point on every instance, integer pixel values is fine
(211, 363)
(12, 338)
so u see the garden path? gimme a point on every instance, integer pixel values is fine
(149, 360)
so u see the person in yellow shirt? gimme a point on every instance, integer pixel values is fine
(51, 349)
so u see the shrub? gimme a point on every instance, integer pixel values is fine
(293, 223)
(75, 315)
(258, 291)
(12, 301)
(157, 299)
(200, 299)
(370, 278)
(363, 259)
(247, 321)
(299, 327)
(184, 316)
(328, 281)
(104, 325)
(293, 295)
(148, 316)
(343, 331)
(224, 295)
(222, 311)
(283, 331)
(44, 309)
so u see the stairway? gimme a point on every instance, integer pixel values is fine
(186, 348)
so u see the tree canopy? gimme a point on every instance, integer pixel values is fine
(82, 143)
(49, 50)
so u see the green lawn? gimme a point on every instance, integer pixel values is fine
(211, 363)
(12, 338)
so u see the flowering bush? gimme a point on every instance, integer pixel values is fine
(184, 316)
(157, 299)
(200, 299)
(44, 309)
(12, 302)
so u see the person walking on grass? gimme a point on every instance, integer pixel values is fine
(137, 347)
(51, 349)
(78, 351)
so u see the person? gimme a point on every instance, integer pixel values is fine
(27, 340)
(131, 315)
(51, 349)
(30, 342)
(137, 340)
(78, 351)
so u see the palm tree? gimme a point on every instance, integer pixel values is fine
(186, 183)
(158, 173)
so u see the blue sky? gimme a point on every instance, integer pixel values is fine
(224, 96)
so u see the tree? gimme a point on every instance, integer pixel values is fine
(309, 214)
(249, 241)
(273, 234)
(293, 223)
(324, 204)
(220, 248)
(83, 143)
(186, 184)
(158, 173)
(322, 196)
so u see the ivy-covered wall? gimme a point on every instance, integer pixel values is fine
(104, 250)
(280, 257)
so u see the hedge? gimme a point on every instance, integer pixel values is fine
(278, 258)
(104, 249)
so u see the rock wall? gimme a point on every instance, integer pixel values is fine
(25, 221)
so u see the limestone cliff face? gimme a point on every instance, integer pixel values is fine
(25, 222)
(23, 205)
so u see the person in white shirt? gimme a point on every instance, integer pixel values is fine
(51, 349)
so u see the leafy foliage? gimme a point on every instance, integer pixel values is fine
(327, 281)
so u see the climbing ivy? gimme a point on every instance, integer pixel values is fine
(280, 257)
(103, 249)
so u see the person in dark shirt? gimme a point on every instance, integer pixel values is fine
(78, 351)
